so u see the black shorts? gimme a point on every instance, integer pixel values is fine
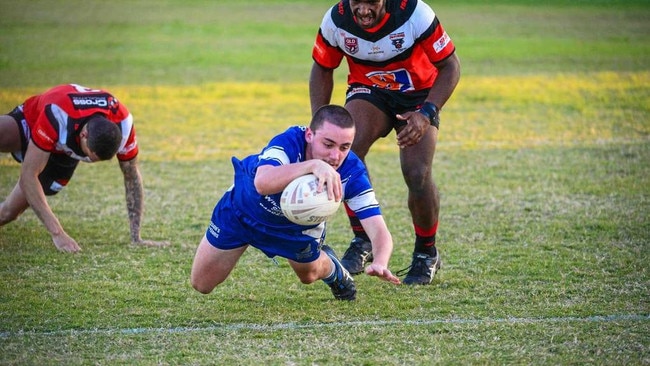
(57, 173)
(59, 168)
(388, 101)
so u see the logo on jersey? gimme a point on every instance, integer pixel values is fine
(375, 50)
(271, 206)
(441, 43)
(396, 80)
(341, 8)
(101, 101)
(397, 40)
(42, 134)
(128, 148)
(351, 45)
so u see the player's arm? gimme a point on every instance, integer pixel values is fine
(443, 87)
(321, 85)
(441, 53)
(134, 196)
(271, 179)
(135, 200)
(446, 81)
(382, 248)
(32, 166)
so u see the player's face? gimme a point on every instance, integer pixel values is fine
(329, 143)
(368, 13)
(84, 145)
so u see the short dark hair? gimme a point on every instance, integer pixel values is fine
(104, 137)
(334, 114)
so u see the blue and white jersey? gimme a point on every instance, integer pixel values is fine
(287, 148)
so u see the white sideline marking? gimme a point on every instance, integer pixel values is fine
(244, 326)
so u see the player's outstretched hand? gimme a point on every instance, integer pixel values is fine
(383, 273)
(150, 243)
(65, 243)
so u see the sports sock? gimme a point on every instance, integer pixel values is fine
(333, 275)
(355, 224)
(425, 240)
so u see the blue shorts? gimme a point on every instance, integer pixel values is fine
(230, 229)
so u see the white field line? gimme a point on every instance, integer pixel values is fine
(296, 326)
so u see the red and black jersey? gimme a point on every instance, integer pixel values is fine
(398, 54)
(55, 119)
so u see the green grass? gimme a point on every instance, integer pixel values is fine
(171, 42)
(542, 165)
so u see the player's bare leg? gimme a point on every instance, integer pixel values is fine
(9, 134)
(424, 205)
(312, 271)
(212, 266)
(13, 206)
(328, 268)
(371, 124)
(423, 197)
(16, 203)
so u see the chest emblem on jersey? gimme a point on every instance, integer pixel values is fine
(351, 45)
(396, 80)
(397, 40)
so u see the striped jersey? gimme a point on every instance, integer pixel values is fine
(398, 54)
(56, 117)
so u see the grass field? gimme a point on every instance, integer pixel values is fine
(543, 166)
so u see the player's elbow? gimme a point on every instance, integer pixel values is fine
(262, 187)
(261, 190)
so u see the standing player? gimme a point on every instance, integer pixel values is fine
(249, 212)
(402, 69)
(49, 134)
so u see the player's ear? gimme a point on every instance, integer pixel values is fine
(84, 131)
(309, 135)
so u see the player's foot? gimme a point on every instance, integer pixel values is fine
(357, 255)
(422, 269)
(343, 287)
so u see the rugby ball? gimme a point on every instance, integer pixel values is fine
(302, 204)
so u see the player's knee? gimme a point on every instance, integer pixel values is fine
(308, 278)
(202, 287)
(418, 179)
(6, 216)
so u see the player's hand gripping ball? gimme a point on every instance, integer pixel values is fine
(302, 204)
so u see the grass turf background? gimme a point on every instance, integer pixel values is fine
(542, 165)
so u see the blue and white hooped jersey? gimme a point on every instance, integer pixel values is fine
(287, 148)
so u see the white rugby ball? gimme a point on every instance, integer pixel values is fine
(302, 204)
